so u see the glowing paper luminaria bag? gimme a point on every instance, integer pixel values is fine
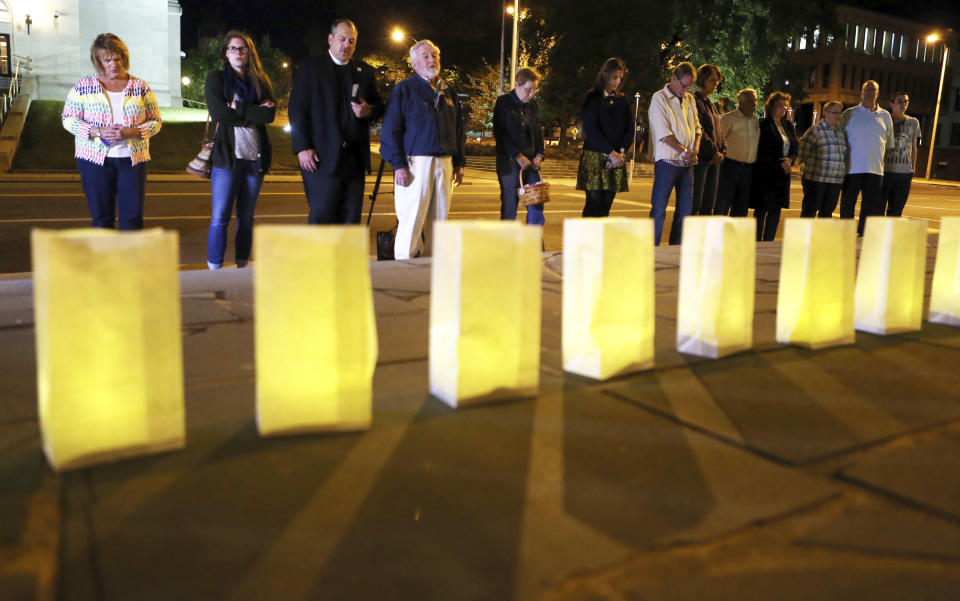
(716, 292)
(608, 292)
(315, 329)
(109, 354)
(484, 311)
(818, 270)
(889, 292)
(945, 295)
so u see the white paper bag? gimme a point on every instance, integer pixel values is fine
(316, 333)
(484, 311)
(945, 294)
(818, 269)
(890, 277)
(608, 296)
(716, 292)
(109, 350)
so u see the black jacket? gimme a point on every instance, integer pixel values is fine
(315, 102)
(510, 120)
(224, 119)
(607, 123)
(711, 141)
(771, 186)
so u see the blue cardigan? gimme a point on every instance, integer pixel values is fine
(419, 121)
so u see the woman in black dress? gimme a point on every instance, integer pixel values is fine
(776, 152)
(608, 135)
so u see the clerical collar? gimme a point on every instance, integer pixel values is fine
(336, 60)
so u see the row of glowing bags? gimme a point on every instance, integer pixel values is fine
(108, 316)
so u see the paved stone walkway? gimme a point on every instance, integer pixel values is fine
(777, 474)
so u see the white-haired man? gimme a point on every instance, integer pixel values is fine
(741, 133)
(423, 139)
(869, 131)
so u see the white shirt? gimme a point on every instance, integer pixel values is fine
(869, 134)
(118, 149)
(742, 135)
(672, 116)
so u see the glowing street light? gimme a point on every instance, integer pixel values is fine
(931, 39)
(185, 80)
(398, 35)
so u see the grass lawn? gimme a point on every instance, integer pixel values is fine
(45, 145)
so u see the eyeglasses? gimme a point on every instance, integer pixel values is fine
(237, 49)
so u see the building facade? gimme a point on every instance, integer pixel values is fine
(53, 37)
(893, 52)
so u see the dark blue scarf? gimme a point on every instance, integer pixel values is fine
(234, 87)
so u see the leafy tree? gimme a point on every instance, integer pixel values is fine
(483, 86)
(569, 40)
(207, 57)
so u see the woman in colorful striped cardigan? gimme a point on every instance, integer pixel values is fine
(112, 116)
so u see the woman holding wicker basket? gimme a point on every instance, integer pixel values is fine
(516, 129)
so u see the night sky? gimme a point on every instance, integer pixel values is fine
(465, 30)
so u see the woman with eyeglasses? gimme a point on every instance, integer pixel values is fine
(900, 160)
(823, 163)
(771, 173)
(608, 135)
(240, 100)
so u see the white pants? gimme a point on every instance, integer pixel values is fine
(417, 205)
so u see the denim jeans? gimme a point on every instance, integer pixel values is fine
(705, 180)
(666, 178)
(819, 198)
(894, 192)
(853, 184)
(116, 187)
(241, 185)
(509, 183)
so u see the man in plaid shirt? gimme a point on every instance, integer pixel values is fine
(823, 163)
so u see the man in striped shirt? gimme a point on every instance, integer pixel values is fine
(676, 132)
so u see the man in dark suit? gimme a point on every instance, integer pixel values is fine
(333, 101)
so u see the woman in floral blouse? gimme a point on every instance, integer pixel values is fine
(112, 116)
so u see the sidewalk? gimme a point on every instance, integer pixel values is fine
(777, 474)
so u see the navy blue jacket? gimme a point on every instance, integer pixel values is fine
(607, 123)
(420, 121)
(315, 102)
(510, 120)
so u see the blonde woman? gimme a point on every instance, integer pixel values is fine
(112, 116)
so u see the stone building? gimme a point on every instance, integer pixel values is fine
(890, 50)
(53, 37)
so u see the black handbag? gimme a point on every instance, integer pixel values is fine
(385, 242)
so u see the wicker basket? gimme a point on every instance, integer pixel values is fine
(533, 194)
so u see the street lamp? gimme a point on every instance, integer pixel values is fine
(503, 26)
(398, 35)
(932, 38)
(516, 36)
